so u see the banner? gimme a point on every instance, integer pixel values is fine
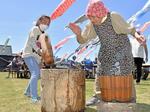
(140, 13)
(144, 27)
(90, 51)
(62, 42)
(63, 57)
(61, 9)
(82, 50)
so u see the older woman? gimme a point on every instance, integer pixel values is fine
(115, 54)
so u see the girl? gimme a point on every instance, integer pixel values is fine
(30, 52)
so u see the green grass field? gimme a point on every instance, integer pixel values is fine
(13, 100)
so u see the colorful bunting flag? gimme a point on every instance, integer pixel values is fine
(64, 56)
(90, 51)
(82, 50)
(62, 7)
(140, 13)
(62, 42)
(145, 26)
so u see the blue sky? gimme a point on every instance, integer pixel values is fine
(17, 16)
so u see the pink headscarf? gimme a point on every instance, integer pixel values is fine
(97, 9)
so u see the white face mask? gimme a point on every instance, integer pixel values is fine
(43, 27)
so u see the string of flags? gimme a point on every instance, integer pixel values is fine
(61, 9)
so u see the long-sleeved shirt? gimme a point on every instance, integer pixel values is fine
(31, 43)
(119, 24)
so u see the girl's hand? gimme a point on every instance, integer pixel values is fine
(40, 52)
(75, 29)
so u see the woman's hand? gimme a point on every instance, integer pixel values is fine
(75, 29)
(141, 40)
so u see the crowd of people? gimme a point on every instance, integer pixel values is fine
(17, 68)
